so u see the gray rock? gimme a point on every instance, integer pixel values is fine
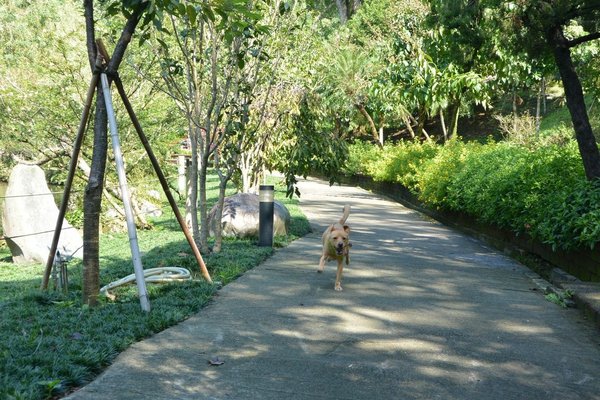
(29, 218)
(240, 216)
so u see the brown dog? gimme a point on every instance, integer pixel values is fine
(336, 246)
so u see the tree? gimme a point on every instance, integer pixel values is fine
(201, 71)
(544, 26)
(93, 193)
(459, 45)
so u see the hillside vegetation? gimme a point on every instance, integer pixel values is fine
(534, 185)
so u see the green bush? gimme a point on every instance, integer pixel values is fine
(360, 155)
(399, 163)
(437, 173)
(539, 191)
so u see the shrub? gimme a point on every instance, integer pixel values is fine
(360, 155)
(399, 163)
(440, 171)
(541, 191)
(575, 221)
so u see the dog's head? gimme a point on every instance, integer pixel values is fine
(339, 239)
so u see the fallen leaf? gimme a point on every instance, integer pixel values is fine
(216, 361)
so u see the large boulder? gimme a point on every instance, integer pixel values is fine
(240, 216)
(29, 218)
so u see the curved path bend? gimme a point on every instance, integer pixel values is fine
(426, 313)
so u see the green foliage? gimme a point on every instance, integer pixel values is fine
(540, 191)
(402, 162)
(575, 221)
(311, 150)
(360, 156)
(438, 173)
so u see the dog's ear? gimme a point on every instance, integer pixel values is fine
(346, 228)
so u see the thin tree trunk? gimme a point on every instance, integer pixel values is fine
(538, 107)
(454, 121)
(219, 215)
(443, 123)
(544, 95)
(586, 141)
(202, 204)
(342, 10)
(515, 111)
(421, 123)
(409, 127)
(372, 126)
(192, 200)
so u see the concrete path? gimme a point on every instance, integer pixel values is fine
(426, 313)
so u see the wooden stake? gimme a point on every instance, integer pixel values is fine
(68, 183)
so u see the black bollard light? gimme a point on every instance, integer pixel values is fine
(265, 215)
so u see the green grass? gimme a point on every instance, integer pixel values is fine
(50, 343)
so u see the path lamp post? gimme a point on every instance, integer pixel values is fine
(265, 215)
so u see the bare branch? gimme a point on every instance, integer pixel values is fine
(583, 39)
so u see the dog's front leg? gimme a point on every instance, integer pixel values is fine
(322, 263)
(338, 275)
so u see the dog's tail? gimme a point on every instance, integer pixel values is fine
(345, 215)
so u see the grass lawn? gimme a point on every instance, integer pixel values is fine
(50, 343)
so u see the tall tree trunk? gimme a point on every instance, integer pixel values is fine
(421, 120)
(544, 95)
(515, 110)
(586, 141)
(347, 8)
(192, 200)
(408, 126)
(454, 114)
(443, 124)
(92, 205)
(538, 108)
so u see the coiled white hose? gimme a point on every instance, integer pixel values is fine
(152, 275)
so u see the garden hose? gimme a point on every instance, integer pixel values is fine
(152, 275)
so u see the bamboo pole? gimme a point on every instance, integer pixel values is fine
(68, 183)
(131, 229)
(162, 179)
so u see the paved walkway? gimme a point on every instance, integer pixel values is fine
(426, 313)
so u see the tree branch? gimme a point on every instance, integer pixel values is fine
(125, 38)
(90, 34)
(583, 39)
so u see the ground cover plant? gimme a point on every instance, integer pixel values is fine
(50, 343)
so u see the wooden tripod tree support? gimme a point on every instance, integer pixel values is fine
(73, 165)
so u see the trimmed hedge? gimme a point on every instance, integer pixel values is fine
(541, 191)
